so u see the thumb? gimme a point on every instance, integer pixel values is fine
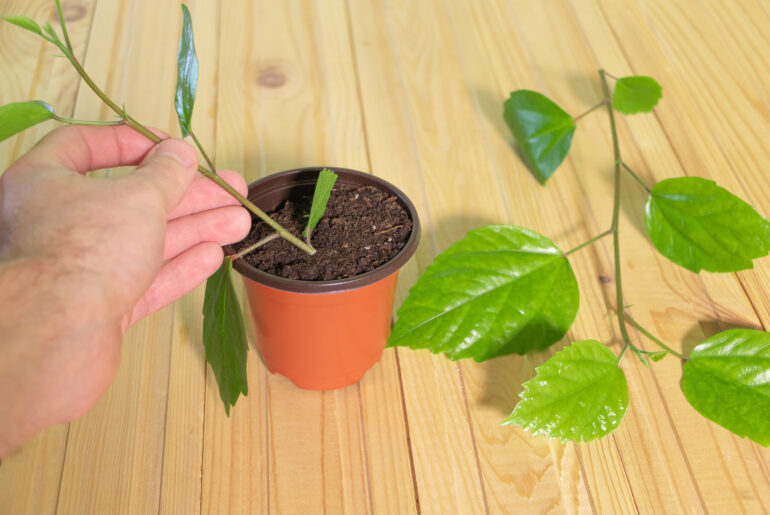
(168, 168)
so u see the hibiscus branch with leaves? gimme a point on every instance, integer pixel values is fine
(505, 289)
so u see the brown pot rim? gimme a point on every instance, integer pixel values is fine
(301, 176)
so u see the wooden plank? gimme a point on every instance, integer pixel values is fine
(183, 450)
(29, 478)
(114, 454)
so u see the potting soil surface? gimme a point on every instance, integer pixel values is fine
(362, 228)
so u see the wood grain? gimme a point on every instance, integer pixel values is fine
(412, 92)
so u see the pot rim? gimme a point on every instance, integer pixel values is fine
(292, 178)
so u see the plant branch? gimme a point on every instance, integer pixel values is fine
(638, 179)
(586, 243)
(157, 139)
(616, 212)
(255, 246)
(87, 122)
(594, 108)
(654, 339)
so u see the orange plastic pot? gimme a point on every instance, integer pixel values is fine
(322, 335)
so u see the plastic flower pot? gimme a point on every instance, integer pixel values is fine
(322, 335)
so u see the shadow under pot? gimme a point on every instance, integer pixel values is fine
(322, 335)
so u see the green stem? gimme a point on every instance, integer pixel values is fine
(622, 351)
(254, 247)
(638, 179)
(594, 108)
(208, 173)
(203, 152)
(87, 122)
(586, 243)
(616, 212)
(64, 27)
(654, 339)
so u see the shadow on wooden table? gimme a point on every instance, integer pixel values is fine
(505, 378)
(705, 329)
(502, 377)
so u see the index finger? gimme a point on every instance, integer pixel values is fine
(85, 148)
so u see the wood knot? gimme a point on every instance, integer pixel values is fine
(271, 77)
(71, 12)
(605, 279)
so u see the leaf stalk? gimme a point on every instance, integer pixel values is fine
(655, 340)
(63, 26)
(586, 243)
(72, 121)
(594, 108)
(638, 179)
(254, 247)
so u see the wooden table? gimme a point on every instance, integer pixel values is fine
(412, 91)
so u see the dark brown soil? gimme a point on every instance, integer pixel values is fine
(362, 229)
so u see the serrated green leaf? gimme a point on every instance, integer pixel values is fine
(542, 129)
(187, 74)
(701, 226)
(500, 290)
(579, 394)
(25, 23)
(727, 380)
(224, 335)
(636, 94)
(323, 190)
(19, 116)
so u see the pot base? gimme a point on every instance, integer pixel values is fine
(323, 383)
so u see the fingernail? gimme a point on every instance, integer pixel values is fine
(178, 150)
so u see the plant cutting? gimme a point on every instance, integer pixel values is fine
(505, 289)
(321, 356)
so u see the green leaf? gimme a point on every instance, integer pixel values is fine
(25, 23)
(323, 190)
(501, 289)
(224, 335)
(542, 129)
(727, 380)
(19, 116)
(187, 74)
(701, 226)
(636, 94)
(579, 394)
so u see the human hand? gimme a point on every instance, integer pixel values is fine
(81, 259)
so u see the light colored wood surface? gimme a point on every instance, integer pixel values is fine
(412, 91)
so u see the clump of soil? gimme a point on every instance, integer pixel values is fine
(361, 229)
